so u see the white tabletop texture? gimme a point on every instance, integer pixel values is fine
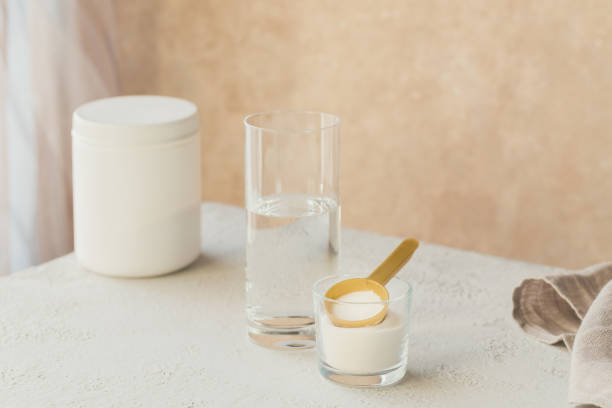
(70, 338)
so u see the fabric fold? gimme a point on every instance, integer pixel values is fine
(575, 309)
(591, 372)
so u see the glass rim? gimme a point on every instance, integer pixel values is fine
(405, 293)
(336, 120)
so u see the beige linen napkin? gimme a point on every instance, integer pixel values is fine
(576, 309)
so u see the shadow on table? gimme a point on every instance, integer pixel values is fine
(205, 264)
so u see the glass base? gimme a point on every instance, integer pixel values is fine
(380, 379)
(283, 333)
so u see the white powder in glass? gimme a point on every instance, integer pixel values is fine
(360, 309)
(362, 350)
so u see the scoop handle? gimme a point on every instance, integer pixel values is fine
(395, 261)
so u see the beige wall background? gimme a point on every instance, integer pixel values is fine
(483, 125)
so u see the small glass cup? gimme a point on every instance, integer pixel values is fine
(369, 356)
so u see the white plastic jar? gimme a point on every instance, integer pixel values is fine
(136, 185)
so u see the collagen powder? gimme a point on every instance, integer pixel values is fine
(362, 350)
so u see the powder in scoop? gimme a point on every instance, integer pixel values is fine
(357, 310)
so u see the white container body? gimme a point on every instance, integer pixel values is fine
(136, 199)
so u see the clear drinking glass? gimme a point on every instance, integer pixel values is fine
(293, 221)
(363, 356)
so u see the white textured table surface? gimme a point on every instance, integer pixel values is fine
(69, 338)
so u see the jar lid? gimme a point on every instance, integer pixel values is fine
(135, 119)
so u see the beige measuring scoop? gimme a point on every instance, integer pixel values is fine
(375, 282)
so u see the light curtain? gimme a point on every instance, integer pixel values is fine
(54, 56)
